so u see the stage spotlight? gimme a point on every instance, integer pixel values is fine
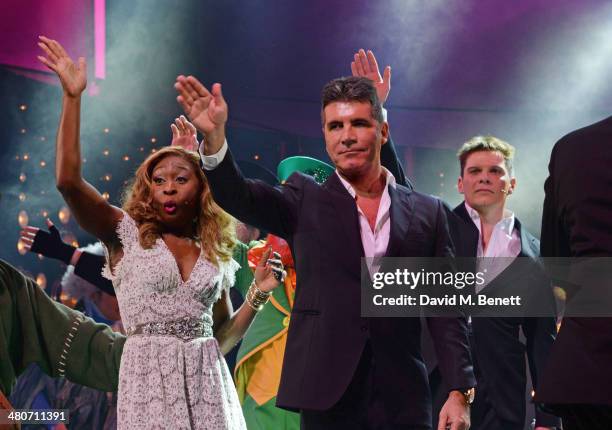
(64, 215)
(21, 249)
(22, 219)
(41, 280)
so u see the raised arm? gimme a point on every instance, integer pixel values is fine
(254, 202)
(93, 213)
(365, 65)
(207, 110)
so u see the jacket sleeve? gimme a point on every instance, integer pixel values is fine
(540, 333)
(274, 209)
(554, 240)
(450, 333)
(390, 160)
(89, 267)
(62, 341)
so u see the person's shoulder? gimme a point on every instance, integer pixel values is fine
(425, 199)
(422, 201)
(8, 271)
(578, 140)
(300, 179)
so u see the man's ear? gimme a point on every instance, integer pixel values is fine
(384, 132)
(460, 185)
(512, 186)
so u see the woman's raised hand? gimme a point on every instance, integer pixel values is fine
(72, 76)
(269, 272)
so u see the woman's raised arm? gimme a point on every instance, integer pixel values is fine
(91, 210)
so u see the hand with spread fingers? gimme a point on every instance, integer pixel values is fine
(72, 76)
(269, 272)
(49, 243)
(207, 110)
(365, 65)
(184, 134)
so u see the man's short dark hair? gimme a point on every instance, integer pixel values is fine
(490, 144)
(351, 89)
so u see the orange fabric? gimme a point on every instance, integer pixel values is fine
(264, 368)
(278, 245)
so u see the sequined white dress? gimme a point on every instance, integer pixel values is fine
(165, 381)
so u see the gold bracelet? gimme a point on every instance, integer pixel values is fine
(256, 298)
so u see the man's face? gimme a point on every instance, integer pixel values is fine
(353, 138)
(486, 182)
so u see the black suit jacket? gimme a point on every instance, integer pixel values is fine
(326, 332)
(577, 222)
(498, 353)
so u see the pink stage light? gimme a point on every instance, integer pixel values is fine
(100, 38)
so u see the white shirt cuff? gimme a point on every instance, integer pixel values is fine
(210, 162)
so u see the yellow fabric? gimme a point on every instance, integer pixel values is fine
(262, 370)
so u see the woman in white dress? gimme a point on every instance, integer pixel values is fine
(170, 259)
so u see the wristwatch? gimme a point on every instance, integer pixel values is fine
(469, 395)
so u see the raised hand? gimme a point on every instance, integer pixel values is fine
(184, 134)
(269, 272)
(72, 76)
(49, 244)
(207, 110)
(365, 65)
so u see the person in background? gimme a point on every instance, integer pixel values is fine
(493, 231)
(88, 407)
(577, 224)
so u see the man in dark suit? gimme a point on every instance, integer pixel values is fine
(577, 222)
(346, 371)
(486, 228)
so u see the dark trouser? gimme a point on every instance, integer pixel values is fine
(484, 417)
(585, 417)
(361, 407)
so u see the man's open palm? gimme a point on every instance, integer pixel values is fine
(205, 109)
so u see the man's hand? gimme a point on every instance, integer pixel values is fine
(206, 110)
(455, 414)
(72, 76)
(184, 134)
(365, 65)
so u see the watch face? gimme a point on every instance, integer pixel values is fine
(469, 395)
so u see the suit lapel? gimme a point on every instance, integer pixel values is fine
(346, 210)
(400, 215)
(513, 270)
(466, 233)
(529, 245)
